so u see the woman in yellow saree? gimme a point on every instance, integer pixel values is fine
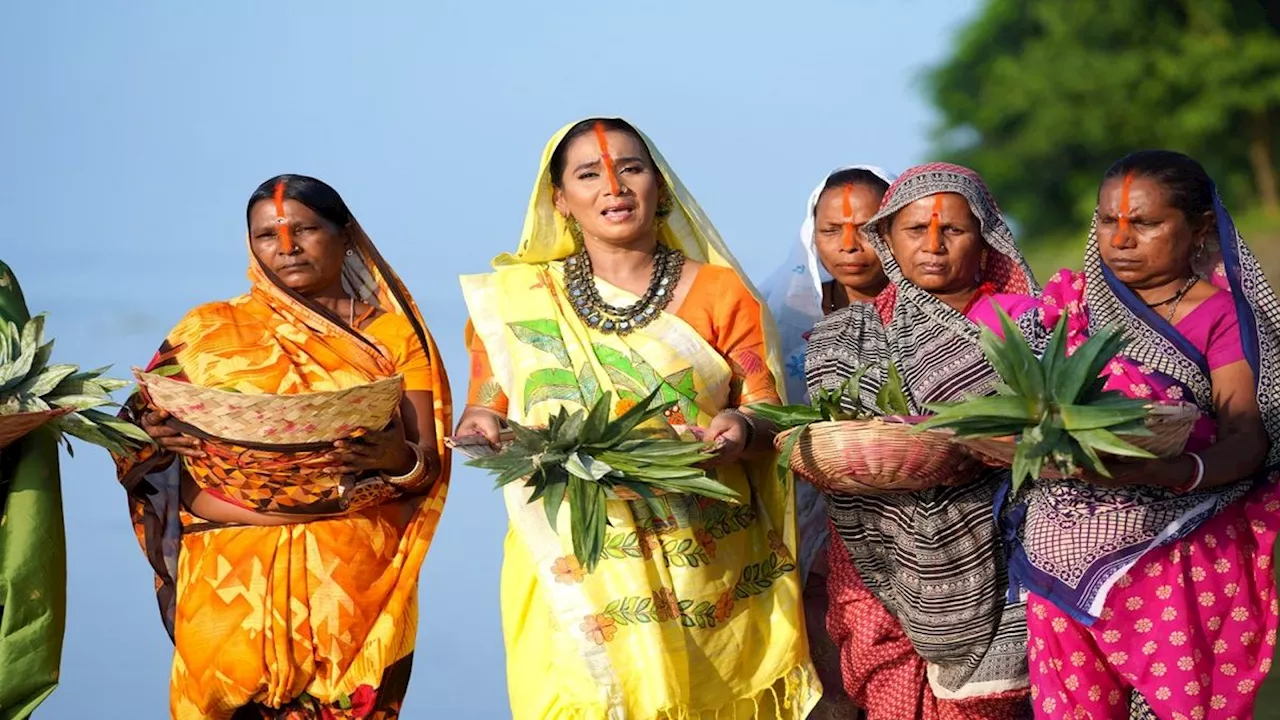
(694, 608)
(306, 610)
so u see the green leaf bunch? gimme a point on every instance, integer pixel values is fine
(28, 383)
(584, 457)
(1054, 405)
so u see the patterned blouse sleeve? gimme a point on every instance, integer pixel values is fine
(483, 389)
(739, 321)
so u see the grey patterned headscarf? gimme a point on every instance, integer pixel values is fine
(933, 557)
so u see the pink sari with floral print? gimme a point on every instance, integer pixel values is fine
(1180, 606)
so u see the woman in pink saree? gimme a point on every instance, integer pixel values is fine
(1155, 587)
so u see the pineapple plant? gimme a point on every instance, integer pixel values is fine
(29, 384)
(1054, 405)
(584, 458)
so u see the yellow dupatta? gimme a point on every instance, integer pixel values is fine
(318, 616)
(692, 615)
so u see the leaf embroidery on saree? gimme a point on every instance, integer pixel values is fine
(665, 606)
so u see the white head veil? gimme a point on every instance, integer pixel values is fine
(794, 296)
(794, 291)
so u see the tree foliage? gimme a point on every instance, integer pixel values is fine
(1041, 96)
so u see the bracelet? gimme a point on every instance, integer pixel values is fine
(414, 476)
(751, 426)
(1196, 479)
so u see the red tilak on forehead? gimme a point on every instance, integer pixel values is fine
(935, 220)
(1123, 216)
(846, 239)
(285, 234)
(606, 158)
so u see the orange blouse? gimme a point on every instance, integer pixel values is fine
(396, 335)
(718, 307)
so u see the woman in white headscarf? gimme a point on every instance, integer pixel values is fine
(828, 269)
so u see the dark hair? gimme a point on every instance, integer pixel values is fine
(1190, 188)
(315, 194)
(557, 164)
(854, 176)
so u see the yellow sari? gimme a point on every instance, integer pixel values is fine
(692, 615)
(307, 620)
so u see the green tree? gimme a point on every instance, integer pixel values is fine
(1041, 96)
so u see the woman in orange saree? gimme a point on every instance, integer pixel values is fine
(295, 608)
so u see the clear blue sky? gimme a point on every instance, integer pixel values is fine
(132, 132)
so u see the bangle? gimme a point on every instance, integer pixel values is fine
(1196, 479)
(414, 476)
(751, 426)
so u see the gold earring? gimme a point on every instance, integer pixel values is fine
(575, 230)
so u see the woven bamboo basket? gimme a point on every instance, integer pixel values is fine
(275, 419)
(14, 427)
(869, 457)
(1170, 425)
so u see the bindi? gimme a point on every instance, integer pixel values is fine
(282, 223)
(606, 158)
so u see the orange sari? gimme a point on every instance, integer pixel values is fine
(308, 620)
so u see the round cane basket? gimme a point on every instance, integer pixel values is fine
(14, 427)
(868, 457)
(275, 419)
(1170, 425)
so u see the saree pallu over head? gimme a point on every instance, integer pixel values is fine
(317, 617)
(1071, 541)
(794, 291)
(694, 608)
(933, 557)
(794, 295)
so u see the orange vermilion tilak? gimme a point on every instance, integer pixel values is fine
(606, 158)
(935, 221)
(285, 235)
(846, 239)
(1122, 228)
